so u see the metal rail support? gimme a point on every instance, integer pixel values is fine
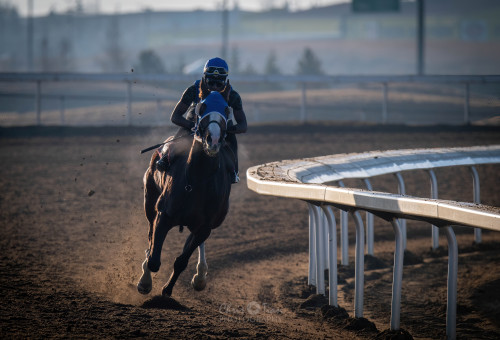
(320, 277)
(312, 249)
(344, 236)
(38, 102)
(384, 103)
(129, 103)
(401, 191)
(359, 276)
(324, 243)
(303, 104)
(332, 255)
(62, 105)
(397, 277)
(451, 306)
(466, 104)
(477, 199)
(370, 239)
(434, 195)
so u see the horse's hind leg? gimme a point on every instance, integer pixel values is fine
(199, 280)
(181, 262)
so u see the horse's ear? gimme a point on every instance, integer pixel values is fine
(225, 92)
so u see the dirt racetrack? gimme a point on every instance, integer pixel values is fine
(73, 235)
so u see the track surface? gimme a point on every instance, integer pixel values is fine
(73, 235)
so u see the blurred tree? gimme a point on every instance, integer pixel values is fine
(114, 60)
(66, 63)
(271, 66)
(249, 70)
(149, 62)
(309, 63)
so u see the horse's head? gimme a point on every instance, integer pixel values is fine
(212, 122)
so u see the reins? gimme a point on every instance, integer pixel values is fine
(165, 142)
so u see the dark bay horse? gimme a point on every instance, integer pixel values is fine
(193, 193)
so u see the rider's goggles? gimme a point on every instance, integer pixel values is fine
(213, 70)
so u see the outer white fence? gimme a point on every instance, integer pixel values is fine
(302, 179)
(303, 81)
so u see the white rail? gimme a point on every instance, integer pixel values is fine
(302, 179)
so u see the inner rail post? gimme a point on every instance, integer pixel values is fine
(451, 305)
(344, 237)
(401, 191)
(312, 248)
(397, 277)
(359, 276)
(320, 277)
(370, 239)
(332, 255)
(477, 199)
(434, 195)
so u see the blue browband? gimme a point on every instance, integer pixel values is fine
(215, 103)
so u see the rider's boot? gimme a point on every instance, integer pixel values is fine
(162, 164)
(235, 178)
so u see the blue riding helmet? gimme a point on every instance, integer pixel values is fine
(215, 73)
(216, 67)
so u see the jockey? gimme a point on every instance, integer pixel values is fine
(214, 78)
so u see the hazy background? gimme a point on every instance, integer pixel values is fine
(462, 37)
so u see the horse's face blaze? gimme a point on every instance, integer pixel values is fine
(213, 134)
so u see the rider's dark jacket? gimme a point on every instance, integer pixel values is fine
(191, 96)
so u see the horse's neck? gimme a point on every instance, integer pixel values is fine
(199, 161)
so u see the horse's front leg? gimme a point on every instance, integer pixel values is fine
(181, 262)
(145, 283)
(199, 280)
(161, 228)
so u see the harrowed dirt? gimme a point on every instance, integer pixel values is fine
(73, 235)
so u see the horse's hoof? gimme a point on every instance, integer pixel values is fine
(144, 289)
(166, 291)
(198, 282)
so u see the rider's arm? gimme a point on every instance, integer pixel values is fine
(182, 106)
(177, 115)
(241, 119)
(239, 115)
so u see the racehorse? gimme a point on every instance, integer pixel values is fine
(193, 193)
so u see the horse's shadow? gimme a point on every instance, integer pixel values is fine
(162, 302)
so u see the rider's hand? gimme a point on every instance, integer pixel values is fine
(231, 127)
